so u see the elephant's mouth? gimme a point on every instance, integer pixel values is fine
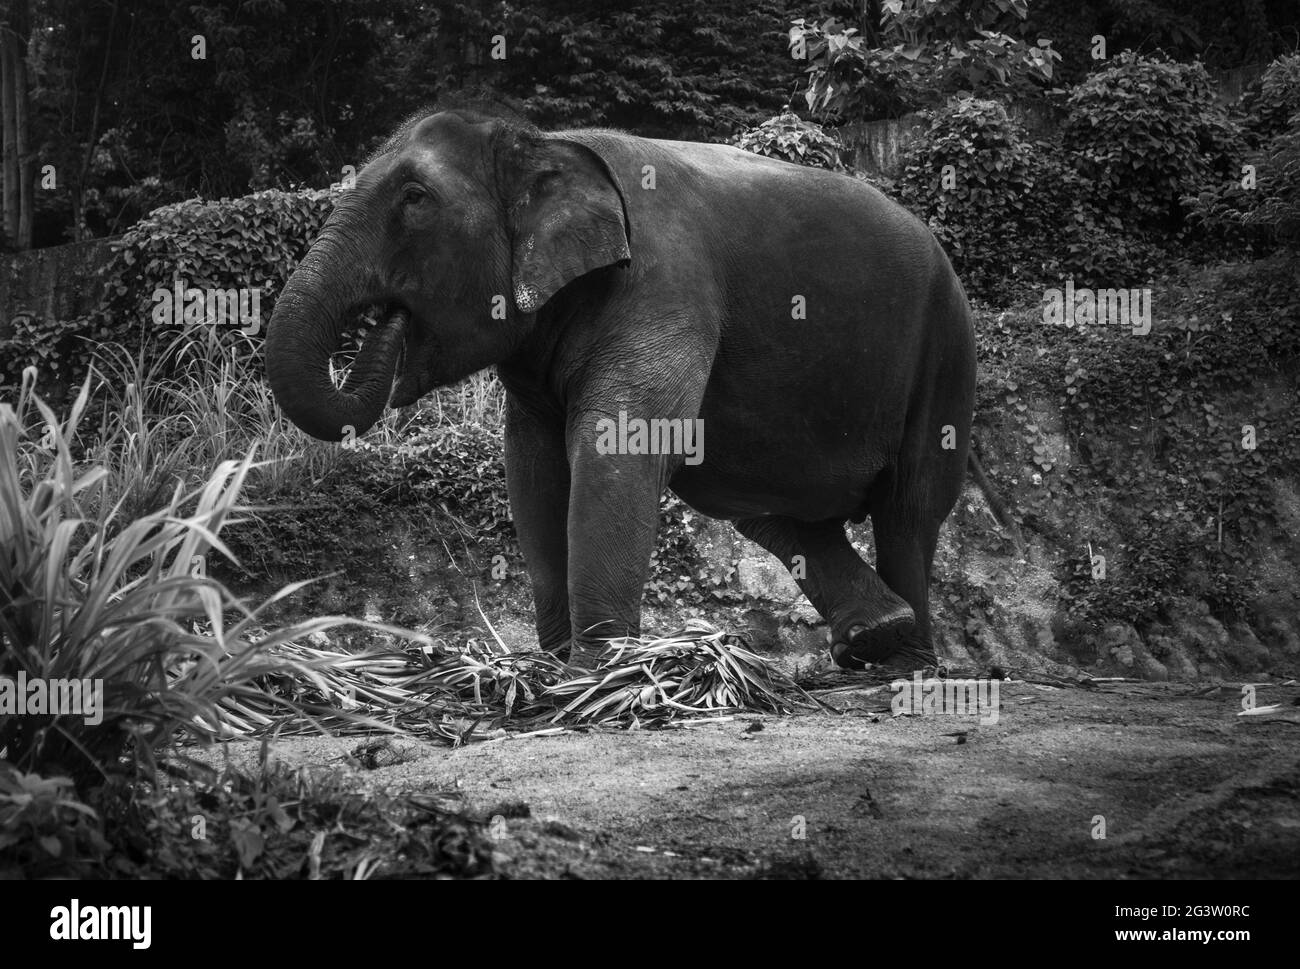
(410, 367)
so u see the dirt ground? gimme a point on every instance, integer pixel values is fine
(1186, 788)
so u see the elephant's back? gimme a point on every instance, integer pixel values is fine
(685, 198)
(759, 184)
(836, 310)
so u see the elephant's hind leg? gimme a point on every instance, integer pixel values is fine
(904, 553)
(869, 621)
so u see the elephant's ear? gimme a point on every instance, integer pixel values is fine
(569, 220)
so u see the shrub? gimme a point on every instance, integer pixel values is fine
(983, 208)
(1269, 105)
(256, 241)
(58, 350)
(1278, 210)
(790, 138)
(1145, 133)
(459, 466)
(1102, 202)
(1262, 215)
(1077, 237)
(921, 53)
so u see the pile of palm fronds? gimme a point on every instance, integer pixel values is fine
(433, 691)
(487, 674)
(484, 690)
(319, 689)
(695, 671)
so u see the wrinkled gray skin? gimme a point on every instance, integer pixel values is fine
(666, 302)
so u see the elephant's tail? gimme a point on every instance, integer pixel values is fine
(995, 501)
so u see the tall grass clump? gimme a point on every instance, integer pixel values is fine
(174, 409)
(91, 596)
(478, 399)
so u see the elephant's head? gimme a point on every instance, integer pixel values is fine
(460, 229)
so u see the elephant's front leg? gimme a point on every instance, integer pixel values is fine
(613, 520)
(537, 478)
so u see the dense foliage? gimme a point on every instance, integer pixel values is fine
(661, 69)
(1221, 33)
(131, 115)
(972, 176)
(1268, 106)
(133, 112)
(915, 54)
(1146, 132)
(790, 138)
(1161, 476)
(1260, 206)
(1146, 165)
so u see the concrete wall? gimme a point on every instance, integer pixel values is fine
(878, 146)
(57, 283)
(1232, 83)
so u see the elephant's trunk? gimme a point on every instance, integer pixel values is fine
(310, 316)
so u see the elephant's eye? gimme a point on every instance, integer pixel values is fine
(413, 195)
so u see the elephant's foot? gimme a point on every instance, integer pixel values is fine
(585, 656)
(893, 641)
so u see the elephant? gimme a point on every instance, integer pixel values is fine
(813, 327)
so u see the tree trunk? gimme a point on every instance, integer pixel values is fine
(79, 190)
(22, 122)
(9, 157)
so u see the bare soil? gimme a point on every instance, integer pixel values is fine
(1186, 788)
